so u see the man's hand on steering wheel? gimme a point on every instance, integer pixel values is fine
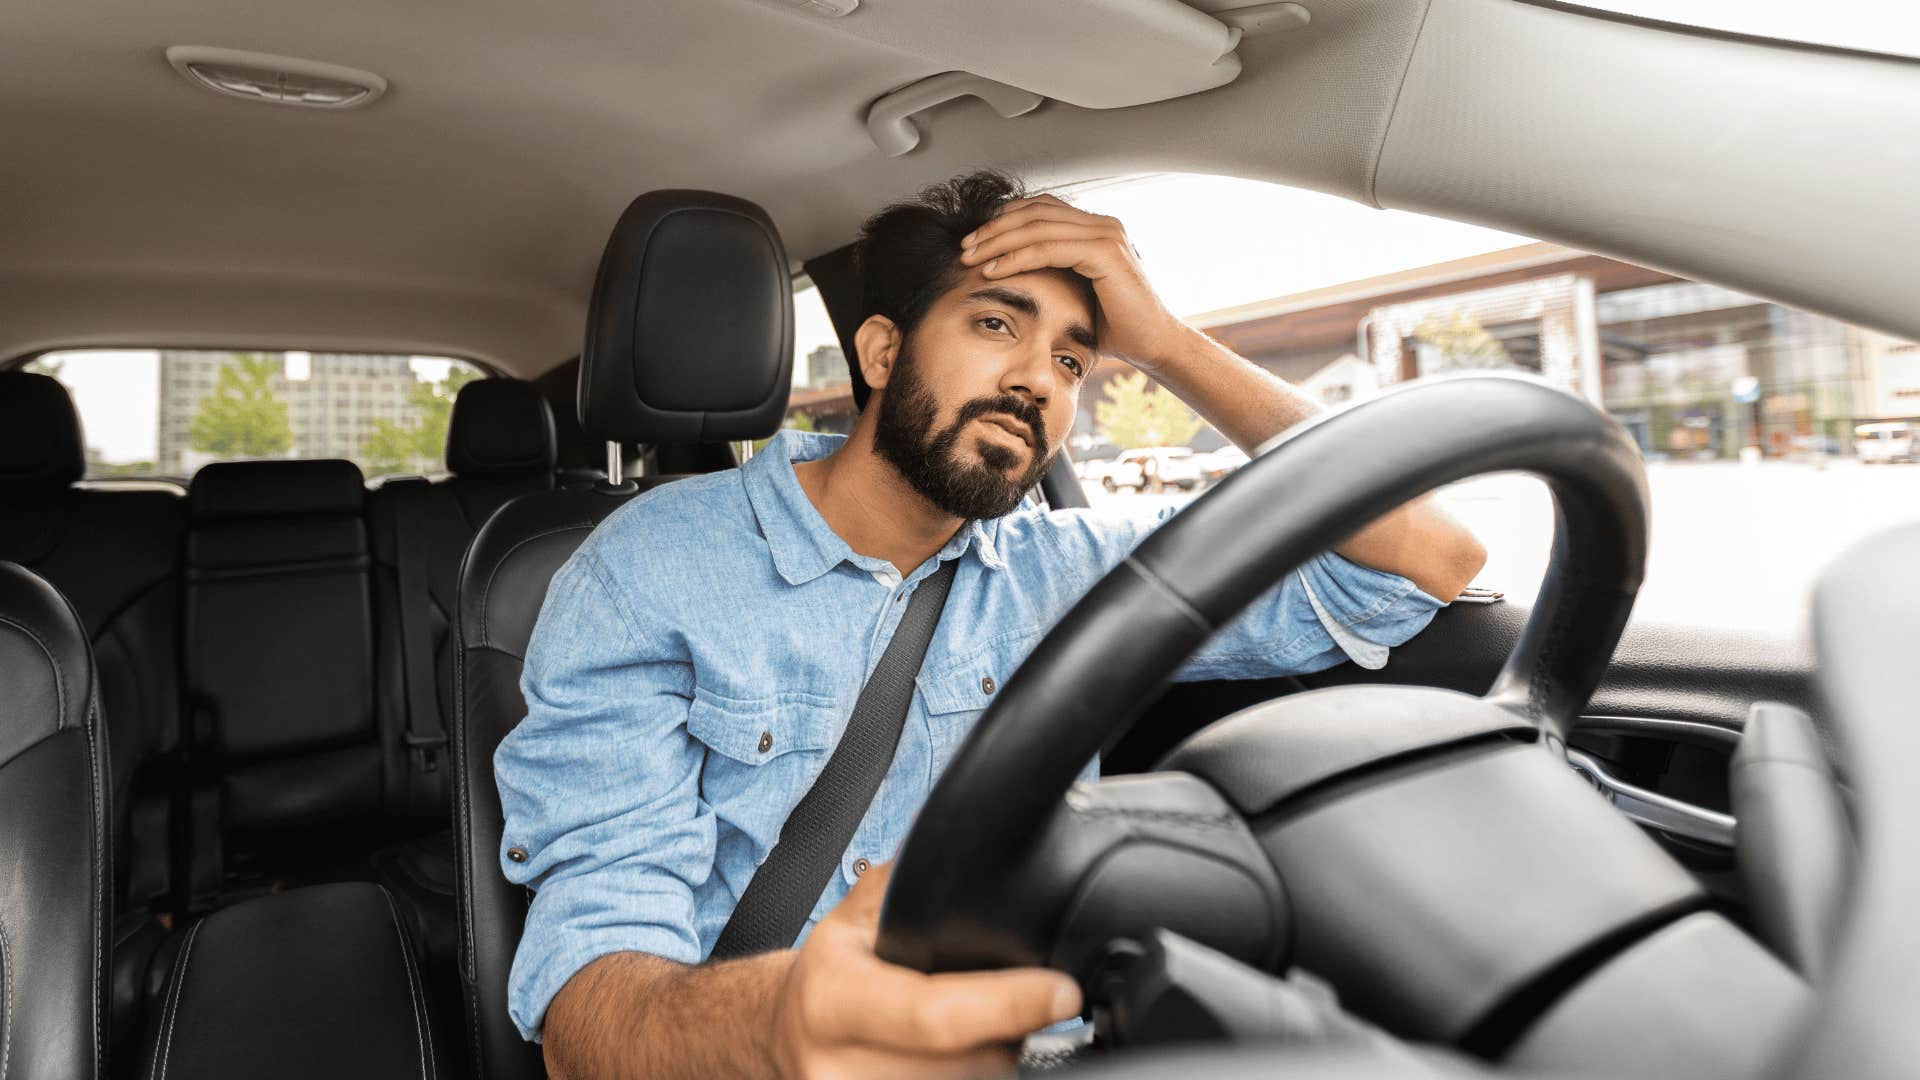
(844, 1012)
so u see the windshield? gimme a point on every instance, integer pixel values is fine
(1883, 26)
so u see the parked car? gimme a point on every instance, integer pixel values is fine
(1155, 467)
(1098, 467)
(1138, 468)
(1217, 465)
(1893, 440)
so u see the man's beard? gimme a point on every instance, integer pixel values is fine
(933, 462)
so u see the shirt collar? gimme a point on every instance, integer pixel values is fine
(804, 546)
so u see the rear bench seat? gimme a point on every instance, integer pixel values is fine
(265, 610)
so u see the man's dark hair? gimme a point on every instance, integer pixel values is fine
(908, 253)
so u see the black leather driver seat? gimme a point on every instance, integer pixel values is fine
(54, 908)
(689, 339)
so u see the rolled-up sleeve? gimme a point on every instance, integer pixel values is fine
(599, 786)
(1329, 610)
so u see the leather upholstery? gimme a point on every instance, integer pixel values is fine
(690, 338)
(690, 327)
(318, 982)
(41, 449)
(54, 907)
(277, 583)
(115, 554)
(228, 490)
(501, 589)
(500, 445)
(500, 426)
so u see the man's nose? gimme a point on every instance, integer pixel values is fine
(1032, 376)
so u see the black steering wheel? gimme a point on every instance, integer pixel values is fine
(1330, 827)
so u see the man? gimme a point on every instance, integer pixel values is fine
(697, 659)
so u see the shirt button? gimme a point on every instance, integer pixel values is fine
(766, 741)
(986, 684)
(861, 866)
(517, 854)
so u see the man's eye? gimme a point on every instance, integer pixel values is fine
(1073, 364)
(994, 322)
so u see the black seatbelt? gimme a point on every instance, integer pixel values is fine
(425, 732)
(788, 884)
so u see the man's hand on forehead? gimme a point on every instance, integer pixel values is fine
(1044, 233)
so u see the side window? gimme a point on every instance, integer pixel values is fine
(1758, 422)
(166, 412)
(822, 389)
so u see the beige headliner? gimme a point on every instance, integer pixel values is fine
(464, 212)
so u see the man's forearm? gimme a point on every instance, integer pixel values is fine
(630, 1014)
(1250, 405)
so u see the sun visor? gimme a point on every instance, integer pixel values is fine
(1122, 52)
(690, 329)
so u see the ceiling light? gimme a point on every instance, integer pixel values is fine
(278, 80)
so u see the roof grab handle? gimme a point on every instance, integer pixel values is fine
(890, 119)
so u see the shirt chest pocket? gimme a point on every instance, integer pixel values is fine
(958, 691)
(762, 756)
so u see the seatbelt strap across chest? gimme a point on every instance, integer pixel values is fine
(788, 884)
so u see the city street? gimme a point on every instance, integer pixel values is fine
(1733, 545)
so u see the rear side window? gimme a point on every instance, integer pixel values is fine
(166, 412)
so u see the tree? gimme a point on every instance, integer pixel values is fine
(1132, 413)
(417, 445)
(242, 418)
(1462, 342)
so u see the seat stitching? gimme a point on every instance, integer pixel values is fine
(505, 555)
(413, 992)
(100, 839)
(6, 1022)
(173, 1004)
(59, 674)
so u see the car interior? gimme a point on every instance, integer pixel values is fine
(247, 728)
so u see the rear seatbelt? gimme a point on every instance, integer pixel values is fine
(426, 735)
(788, 884)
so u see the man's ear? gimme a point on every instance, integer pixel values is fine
(877, 342)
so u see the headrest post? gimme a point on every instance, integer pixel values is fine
(743, 450)
(615, 465)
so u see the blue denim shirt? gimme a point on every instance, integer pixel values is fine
(697, 658)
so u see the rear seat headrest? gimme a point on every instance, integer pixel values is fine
(41, 449)
(248, 489)
(690, 328)
(500, 427)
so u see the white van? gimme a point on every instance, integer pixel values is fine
(1891, 440)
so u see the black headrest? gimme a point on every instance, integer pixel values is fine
(252, 489)
(49, 665)
(690, 332)
(40, 445)
(500, 427)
